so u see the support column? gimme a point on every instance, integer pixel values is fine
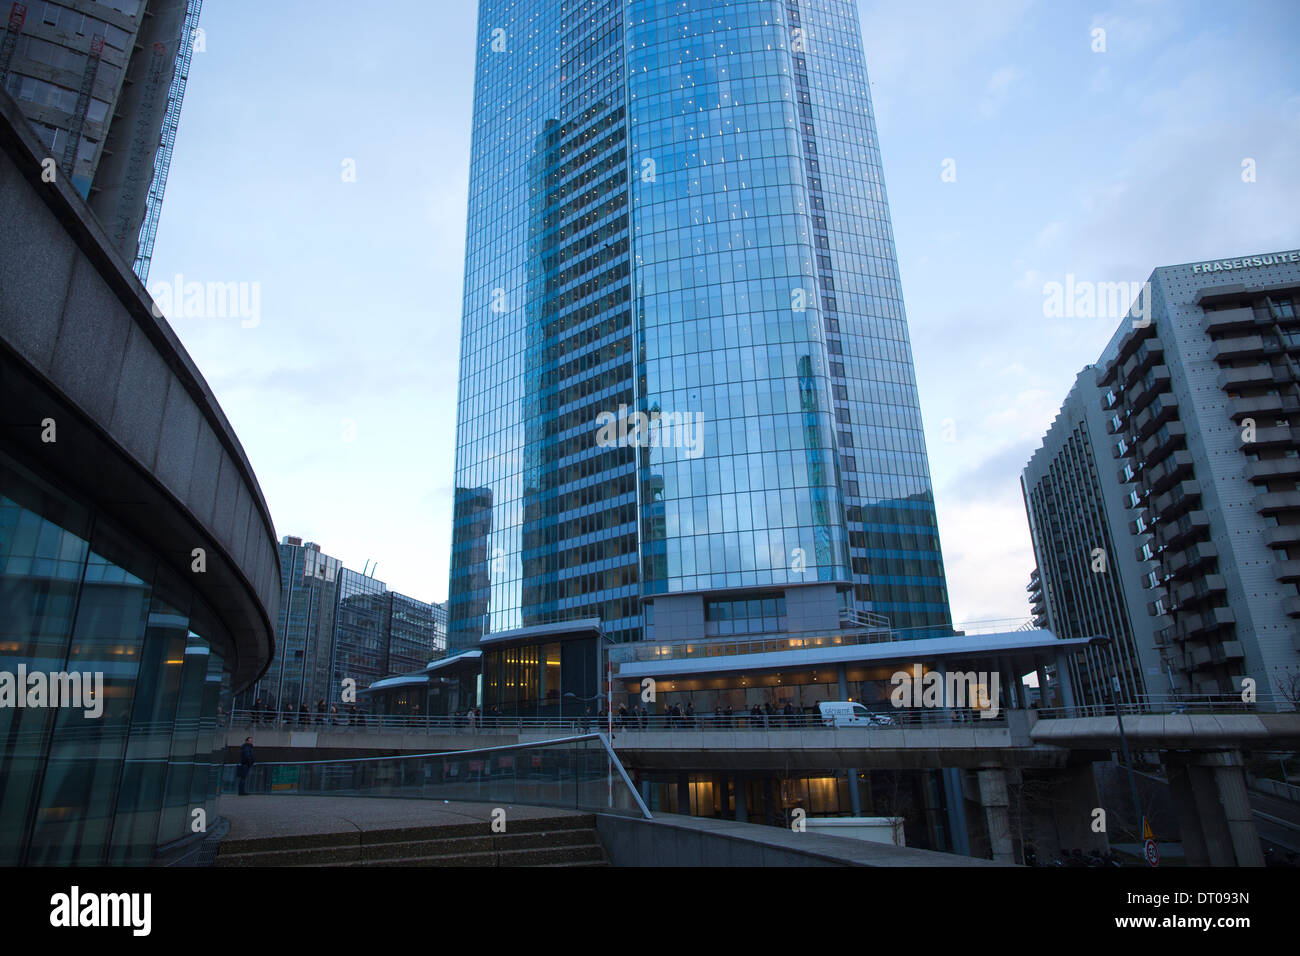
(1064, 680)
(855, 798)
(684, 793)
(1214, 825)
(993, 798)
(1189, 823)
(955, 800)
(1043, 699)
(1236, 807)
(742, 797)
(1234, 802)
(1010, 689)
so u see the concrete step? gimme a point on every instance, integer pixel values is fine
(585, 821)
(525, 846)
(588, 855)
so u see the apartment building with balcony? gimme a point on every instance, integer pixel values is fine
(1194, 412)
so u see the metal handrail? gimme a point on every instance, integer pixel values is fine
(741, 720)
(1173, 705)
(264, 768)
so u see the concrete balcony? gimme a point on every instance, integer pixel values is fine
(1146, 388)
(1277, 502)
(1287, 570)
(1234, 379)
(1211, 619)
(1287, 536)
(1176, 467)
(1180, 498)
(1253, 406)
(1161, 410)
(1185, 529)
(1163, 441)
(1244, 346)
(1232, 650)
(1277, 436)
(1292, 606)
(1203, 589)
(1228, 320)
(1133, 338)
(1268, 469)
(1148, 355)
(1191, 558)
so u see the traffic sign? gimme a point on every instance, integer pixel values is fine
(1153, 855)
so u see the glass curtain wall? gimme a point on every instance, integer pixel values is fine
(80, 595)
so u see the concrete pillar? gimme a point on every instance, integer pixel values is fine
(684, 793)
(842, 680)
(1043, 699)
(742, 798)
(955, 800)
(1010, 699)
(1189, 823)
(1214, 825)
(855, 796)
(993, 798)
(1063, 679)
(1231, 782)
(1241, 822)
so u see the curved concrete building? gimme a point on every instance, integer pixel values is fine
(139, 576)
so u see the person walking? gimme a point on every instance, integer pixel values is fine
(246, 762)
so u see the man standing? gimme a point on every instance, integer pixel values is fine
(245, 765)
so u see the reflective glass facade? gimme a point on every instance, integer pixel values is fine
(79, 594)
(677, 210)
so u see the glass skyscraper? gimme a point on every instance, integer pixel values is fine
(686, 384)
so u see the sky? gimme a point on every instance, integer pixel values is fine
(322, 162)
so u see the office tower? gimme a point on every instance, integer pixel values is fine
(1197, 397)
(335, 625)
(101, 82)
(416, 633)
(304, 632)
(359, 649)
(686, 385)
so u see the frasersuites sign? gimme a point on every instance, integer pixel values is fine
(1250, 262)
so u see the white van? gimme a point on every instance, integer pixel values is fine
(848, 713)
